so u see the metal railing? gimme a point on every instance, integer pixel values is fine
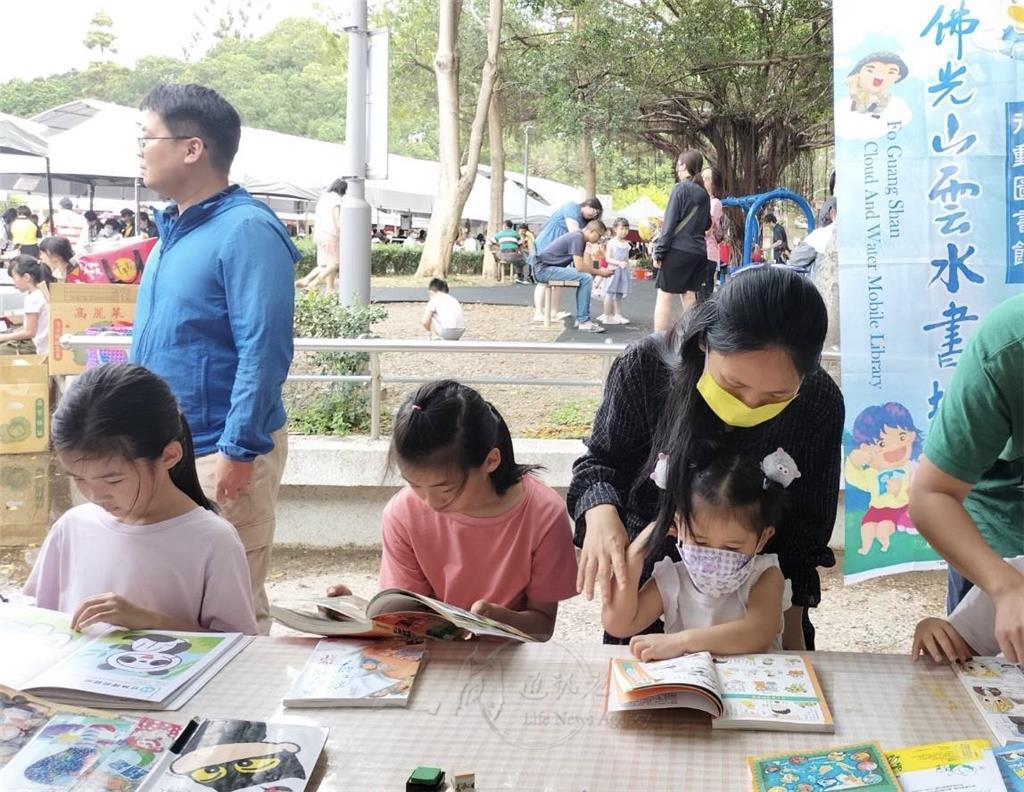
(375, 347)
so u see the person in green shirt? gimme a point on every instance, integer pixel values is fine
(967, 498)
(507, 241)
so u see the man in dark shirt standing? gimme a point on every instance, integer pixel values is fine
(780, 241)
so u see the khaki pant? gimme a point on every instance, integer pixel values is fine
(253, 515)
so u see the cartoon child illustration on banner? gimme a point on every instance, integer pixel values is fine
(870, 105)
(886, 445)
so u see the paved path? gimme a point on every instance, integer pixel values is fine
(638, 306)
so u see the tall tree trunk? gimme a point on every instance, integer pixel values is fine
(454, 186)
(495, 127)
(588, 164)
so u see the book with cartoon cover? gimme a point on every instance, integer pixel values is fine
(77, 751)
(107, 667)
(100, 752)
(393, 613)
(958, 766)
(341, 673)
(861, 766)
(996, 687)
(774, 692)
(1011, 766)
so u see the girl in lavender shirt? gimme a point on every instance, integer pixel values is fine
(148, 551)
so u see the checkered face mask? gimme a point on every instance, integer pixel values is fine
(716, 572)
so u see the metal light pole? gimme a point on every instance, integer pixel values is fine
(526, 171)
(354, 275)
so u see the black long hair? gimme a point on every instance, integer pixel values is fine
(763, 308)
(39, 272)
(449, 424)
(126, 410)
(57, 246)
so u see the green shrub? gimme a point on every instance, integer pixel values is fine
(336, 408)
(393, 260)
(307, 247)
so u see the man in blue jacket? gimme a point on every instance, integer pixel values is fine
(214, 313)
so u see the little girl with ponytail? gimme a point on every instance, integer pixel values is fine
(472, 527)
(148, 551)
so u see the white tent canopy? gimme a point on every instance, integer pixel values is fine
(19, 136)
(96, 143)
(640, 211)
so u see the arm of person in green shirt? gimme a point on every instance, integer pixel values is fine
(970, 431)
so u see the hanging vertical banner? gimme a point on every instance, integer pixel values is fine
(929, 121)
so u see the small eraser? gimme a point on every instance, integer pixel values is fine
(423, 779)
(463, 782)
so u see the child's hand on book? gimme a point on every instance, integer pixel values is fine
(939, 639)
(659, 646)
(114, 609)
(338, 590)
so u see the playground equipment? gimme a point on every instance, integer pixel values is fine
(751, 204)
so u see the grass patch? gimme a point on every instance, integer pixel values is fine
(567, 421)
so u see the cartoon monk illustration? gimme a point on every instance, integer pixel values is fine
(870, 80)
(886, 445)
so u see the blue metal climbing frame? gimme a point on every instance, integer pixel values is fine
(751, 204)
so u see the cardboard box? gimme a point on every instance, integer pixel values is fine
(89, 309)
(25, 491)
(24, 404)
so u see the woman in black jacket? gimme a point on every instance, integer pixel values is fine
(681, 253)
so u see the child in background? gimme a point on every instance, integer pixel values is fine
(148, 551)
(443, 316)
(969, 631)
(721, 597)
(616, 286)
(472, 527)
(32, 278)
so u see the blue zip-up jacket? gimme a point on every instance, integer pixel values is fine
(214, 318)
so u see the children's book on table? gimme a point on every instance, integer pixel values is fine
(862, 766)
(959, 766)
(775, 692)
(107, 667)
(357, 673)
(1011, 766)
(996, 686)
(392, 613)
(45, 746)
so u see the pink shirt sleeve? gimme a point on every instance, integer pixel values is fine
(227, 600)
(44, 581)
(398, 565)
(553, 572)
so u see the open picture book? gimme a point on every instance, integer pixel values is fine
(392, 613)
(996, 687)
(107, 667)
(775, 692)
(346, 673)
(955, 766)
(45, 746)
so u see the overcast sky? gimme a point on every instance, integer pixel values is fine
(46, 38)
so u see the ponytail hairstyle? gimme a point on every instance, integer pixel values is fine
(761, 308)
(733, 482)
(693, 161)
(447, 424)
(57, 246)
(128, 411)
(29, 265)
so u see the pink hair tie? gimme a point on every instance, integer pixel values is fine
(416, 407)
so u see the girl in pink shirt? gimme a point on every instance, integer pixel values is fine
(473, 528)
(148, 551)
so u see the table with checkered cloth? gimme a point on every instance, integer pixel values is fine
(531, 717)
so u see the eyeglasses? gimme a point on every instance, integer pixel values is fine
(143, 141)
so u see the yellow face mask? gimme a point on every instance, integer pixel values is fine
(733, 411)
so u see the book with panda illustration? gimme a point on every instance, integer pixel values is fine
(996, 687)
(121, 669)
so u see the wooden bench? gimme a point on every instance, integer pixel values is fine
(551, 296)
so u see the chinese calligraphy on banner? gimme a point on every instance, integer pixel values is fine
(929, 123)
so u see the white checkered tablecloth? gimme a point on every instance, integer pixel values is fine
(531, 717)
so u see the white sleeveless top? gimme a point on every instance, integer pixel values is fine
(686, 608)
